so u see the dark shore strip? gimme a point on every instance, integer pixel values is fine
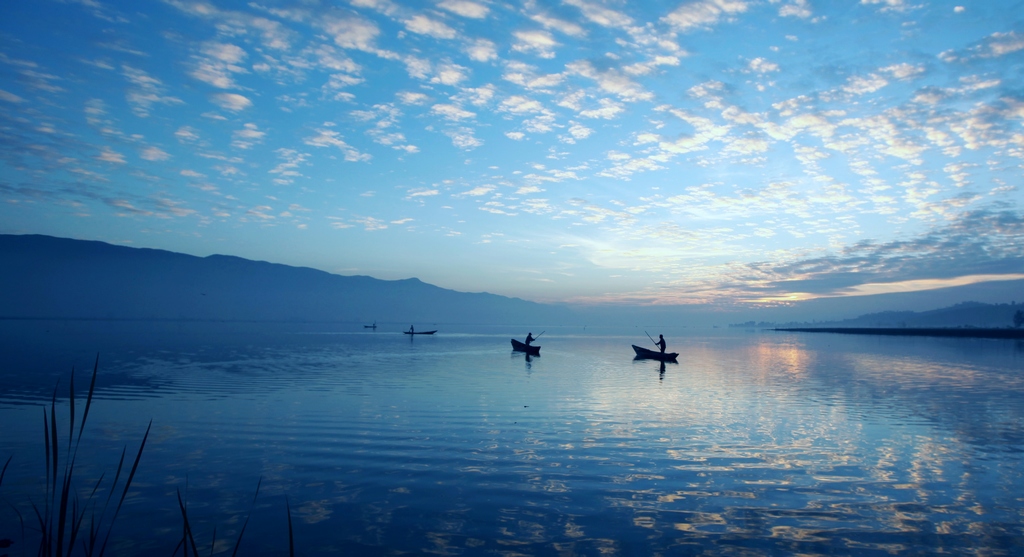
(915, 332)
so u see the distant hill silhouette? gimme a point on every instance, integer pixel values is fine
(48, 277)
(965, 314)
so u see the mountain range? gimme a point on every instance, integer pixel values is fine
(964, 314)
(59, 278)
(44, 277)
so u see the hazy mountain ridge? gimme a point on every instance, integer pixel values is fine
(964, 314)
(49, 277)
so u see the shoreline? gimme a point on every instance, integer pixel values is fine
(912, 331)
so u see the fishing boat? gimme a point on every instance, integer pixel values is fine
(523, 347)
(374, 326)
(646, 354)
(419, 332)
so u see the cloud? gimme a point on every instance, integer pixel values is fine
(423, 25)
(330, 138)
(536, 41)
(273, 35)
(579, 131)
(287, 170)
(449, 73)
(479, 191)
(109, 155)
(408, 97)
(481, 50)
(601, 15)
(994, 46)
(154, 154)
(218, 62)
(386, 7)
(519, 105)
(609, 110)
(145, 91)
(862, 85)
(339, 81)
(463, 138)
(451, 112)
(10, 97)
(465, 8)
(383, 132)
(231, 101)
(762, 66)
(526, 76)
(477, 96)
(611, 81)
(187, 134)
(796, 8)
(248, 136)
(353, 33)
(562, 26)
(890, 5)
(950, 255)
(704, 13)
(903, 71)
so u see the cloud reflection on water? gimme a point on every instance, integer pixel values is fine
(780, 443)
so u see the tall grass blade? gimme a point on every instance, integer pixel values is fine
(62, 514)
(96, 487)
(76, 524)
(71, 403)
(291, 537)
(88, 399)
(42, 528)
(21, 519)
(53, 481)
(238, 543)
(4, 471)
(127, 485)
(117, 475)
(188, 528)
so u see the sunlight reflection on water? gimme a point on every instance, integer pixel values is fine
(452, 444)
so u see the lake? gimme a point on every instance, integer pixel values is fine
(378, 443)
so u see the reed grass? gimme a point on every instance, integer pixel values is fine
(188, 539)
(60, 519)
(61, 516)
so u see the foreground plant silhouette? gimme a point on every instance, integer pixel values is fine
(188, 539)
(64, 511)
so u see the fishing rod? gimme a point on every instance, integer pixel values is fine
(652, 339)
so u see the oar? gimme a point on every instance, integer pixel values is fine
(538, 336)
(652, 339)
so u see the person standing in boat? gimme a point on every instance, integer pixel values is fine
(413, 331)
(529, 339)
(661, 343)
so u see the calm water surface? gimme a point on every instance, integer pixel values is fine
(755, 443)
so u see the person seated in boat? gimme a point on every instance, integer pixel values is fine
(661, 343)
(529, 339)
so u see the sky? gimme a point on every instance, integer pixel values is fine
(709, 153)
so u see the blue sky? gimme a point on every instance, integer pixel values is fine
(724, 152)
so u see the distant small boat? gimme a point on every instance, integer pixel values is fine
(374, 326)
(420, 332)
(646, 354)
(522, 347)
